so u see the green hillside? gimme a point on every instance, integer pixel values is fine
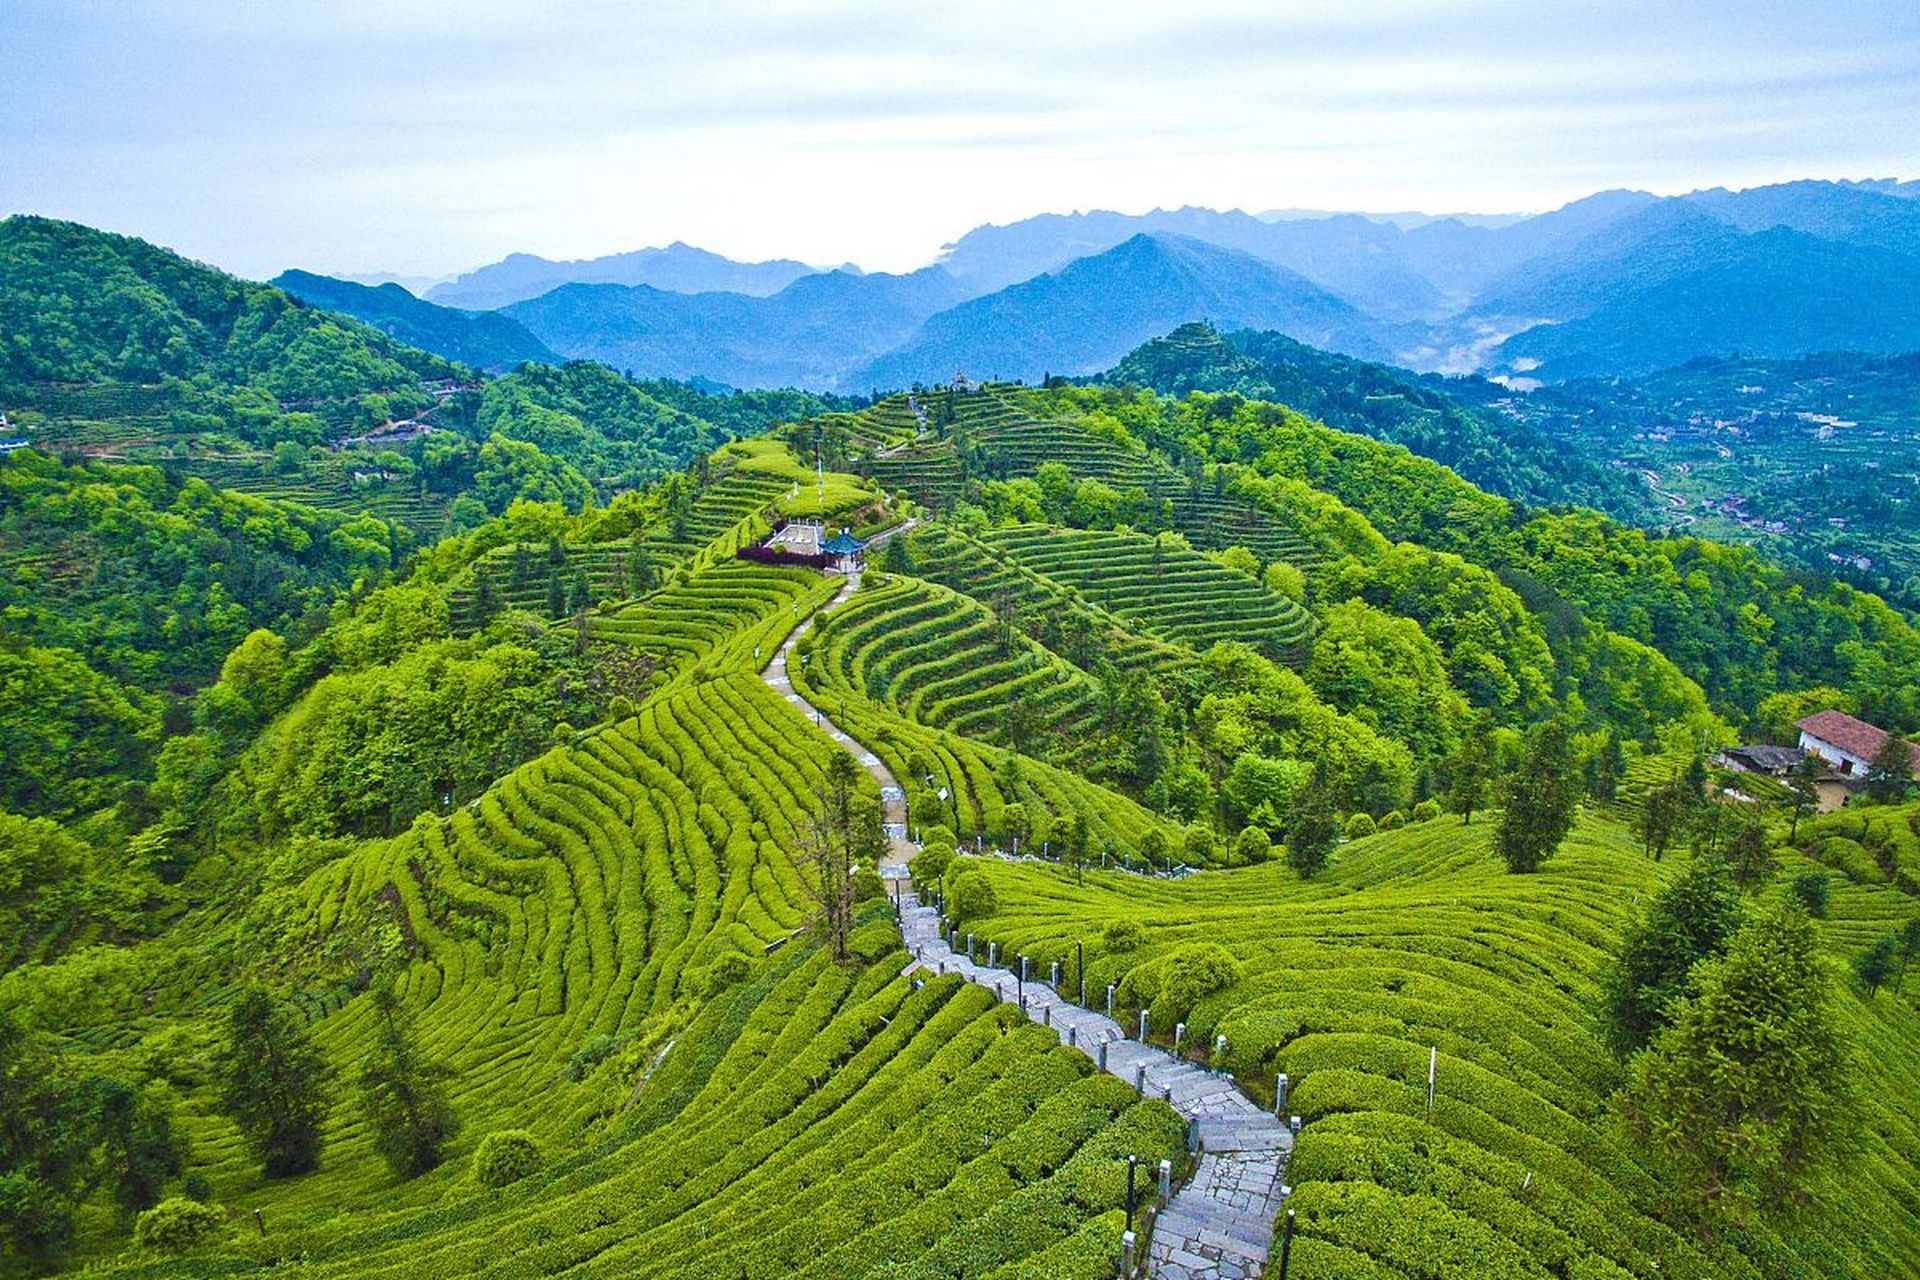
(516, 903)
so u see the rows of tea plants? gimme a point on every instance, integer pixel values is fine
(736, 603)
(980, 780)
(583, 894)
(984, 571)
(1164, 586)
(943, 659)
(819, 1121)
(1417, 940)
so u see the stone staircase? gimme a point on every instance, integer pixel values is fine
(1220, 1225)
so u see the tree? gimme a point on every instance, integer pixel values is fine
(1890, 774)
(832, 840)
(1606, 768)
(580, 598)
(1312, 827)
(1663, 811)
(1746, 1093)
(140, 1148)
(1076, 845)
(556, 596)
(1540, 799)
(1015, 821)
(44, 1153)
(273, 1084)
(1689, 920)
(1469, 769)
(1878, 962)
(402, 1094)
(639, 567)
(1199, 847)
(1802, 785)
(1750, 855)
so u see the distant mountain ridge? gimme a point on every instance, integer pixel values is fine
(810, 334)
(1612, 284)
(677, 268)
(484, 339)
(1091, 312)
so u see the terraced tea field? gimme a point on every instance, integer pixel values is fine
(1415, 940)
(942, 659)
(1163, 587)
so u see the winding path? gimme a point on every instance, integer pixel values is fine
(1219, 1226)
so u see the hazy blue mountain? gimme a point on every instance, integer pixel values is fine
(1884, 216)
(809, 334)
(1778, 293)
(481, 338)
(1486, 446)
(1093, 311)
(1621, 258)
(678, 268)
(1461, 258)
(1349, 255)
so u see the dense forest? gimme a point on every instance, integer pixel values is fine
(493, 886)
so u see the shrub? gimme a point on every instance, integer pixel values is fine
(1173, 984)
(1393, 821)
(196, 1187)
(506, 1157)
(1358, 826)
(1426, 811)
(1253, 845)
(868, 886)
(582, 1061)
(1811, 891)
(1124, 935)
(971, 896)
(177, 1223)
(931, 862)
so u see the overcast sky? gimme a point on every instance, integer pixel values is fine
(422, 136)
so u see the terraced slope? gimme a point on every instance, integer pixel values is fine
(944, 660)
(735, 604)
(942, 554)
(1162, 586)
(1004, 439)
(980, 780)
(1417, 939)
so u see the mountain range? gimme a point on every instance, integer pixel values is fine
(484, 339)
(679, 268)
(1615, 284)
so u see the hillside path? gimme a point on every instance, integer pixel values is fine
(1219, 1226)
(893, 798)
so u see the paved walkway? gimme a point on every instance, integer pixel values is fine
(1217, 1227)
(1220, 1225)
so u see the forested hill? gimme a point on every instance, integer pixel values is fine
(80, 305)
(1497, 453)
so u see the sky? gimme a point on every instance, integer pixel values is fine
(423, 137)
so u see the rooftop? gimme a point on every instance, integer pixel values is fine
(1837, 728)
